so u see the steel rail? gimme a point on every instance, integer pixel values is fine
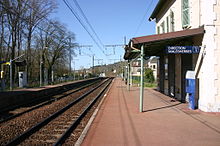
(61, 140)
(17, 140)
(45, 103)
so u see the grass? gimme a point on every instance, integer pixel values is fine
(146, 84)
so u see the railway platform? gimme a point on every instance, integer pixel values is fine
(164, 122)
(19, 96)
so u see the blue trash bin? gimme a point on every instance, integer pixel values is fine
(190, 88)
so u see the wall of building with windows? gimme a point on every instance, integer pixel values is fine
(181, 14)
(177, 15)
(209, 73)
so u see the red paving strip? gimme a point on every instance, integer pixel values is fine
(163, 123)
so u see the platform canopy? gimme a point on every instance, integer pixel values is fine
(155, 45)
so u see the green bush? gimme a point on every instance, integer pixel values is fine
(149, 77)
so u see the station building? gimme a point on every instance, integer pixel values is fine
(189, 25)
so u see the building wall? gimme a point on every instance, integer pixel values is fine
(217, 50)
(176, 6)
(209, 99)
(201, 12)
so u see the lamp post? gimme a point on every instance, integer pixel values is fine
(41, 62)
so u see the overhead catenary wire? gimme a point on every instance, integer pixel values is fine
(143, 18)
(53, 23)
(87, 21)
(78, 6)
(39, 16)
(83, 25)
(50, 22)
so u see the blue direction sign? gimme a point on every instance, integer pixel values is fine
(182, 49)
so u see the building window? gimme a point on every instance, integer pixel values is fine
(171, 21)
(185, 13)
(162, 27)
(158, 29)
(168, 26)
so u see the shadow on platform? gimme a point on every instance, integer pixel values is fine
(163, 107)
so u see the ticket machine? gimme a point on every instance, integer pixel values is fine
(190, 88)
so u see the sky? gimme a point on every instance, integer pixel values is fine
(112, 20)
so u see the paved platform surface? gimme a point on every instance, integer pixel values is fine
(19, 91)
(164, 122)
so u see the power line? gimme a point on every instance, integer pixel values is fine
(88, 47)
(83, 25)
(50, 22)
(78, 6)
(87, 21)
(142, 20)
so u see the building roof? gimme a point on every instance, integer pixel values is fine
(167, 36)
(158, 7)
(153, 42)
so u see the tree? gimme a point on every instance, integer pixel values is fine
(26, 28)
(38, 11)
(55, 45)
(14, 11)
(149, 75)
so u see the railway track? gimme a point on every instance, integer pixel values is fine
(56, 127)
(15, 111)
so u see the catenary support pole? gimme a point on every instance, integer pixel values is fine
(93, 60)
(74, 77)
(142, 79)
(70, 57)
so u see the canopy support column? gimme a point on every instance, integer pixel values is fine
(142, 79)
(128, 77)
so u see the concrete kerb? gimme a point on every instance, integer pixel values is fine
(86, 129)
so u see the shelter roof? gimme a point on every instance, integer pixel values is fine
(152, 43)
